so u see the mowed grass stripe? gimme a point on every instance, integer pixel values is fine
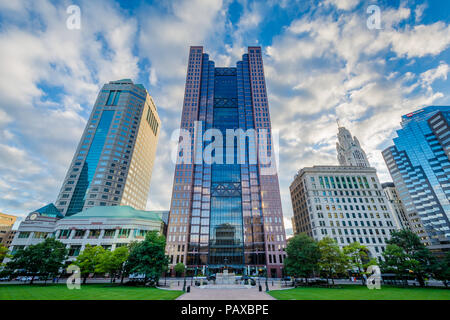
(362, 293)
(87, 292)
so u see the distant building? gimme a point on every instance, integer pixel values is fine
(349, 151)
(6, 233)
(114, 160)
(227, 198)
(345, 203)
(37, 226)
(396, 206)
(419, 164)
(109, 227)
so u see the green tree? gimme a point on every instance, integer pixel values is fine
(179, 268)
(332, 260)
(148, 258)
(303, 256)
(359, 257)
(88, 260)
(3, 253)
(414, 256)
(441, 269)
(113, 262)
(44, 259)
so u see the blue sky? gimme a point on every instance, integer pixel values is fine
(321, 61)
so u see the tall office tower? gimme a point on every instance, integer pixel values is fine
(6, 223)
(395, 204)
(226, 215)
(114, 159)
(346, 203)
(419, 163)
(349, 151)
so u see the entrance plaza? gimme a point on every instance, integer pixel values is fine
(238, 293)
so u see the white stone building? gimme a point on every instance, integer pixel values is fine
(109, 227)
(346, 203)
(349, 151)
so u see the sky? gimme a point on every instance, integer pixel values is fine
(323, 61)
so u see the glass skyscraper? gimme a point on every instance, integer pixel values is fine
(226, 213)
(114, 159)
(419, 163)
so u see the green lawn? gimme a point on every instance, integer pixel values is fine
(87, 292)
(351, 292)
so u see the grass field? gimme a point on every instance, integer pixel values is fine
(361, 293)
(87, 292)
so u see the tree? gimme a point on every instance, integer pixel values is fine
(358, 257)
(441, 269)
(303, 256)
(410, 254)
(44, 259)
(332, 260)
(148, 258)
(113, 262)
(88, 260)
(54, 254)
(3, 253)
(179, 268)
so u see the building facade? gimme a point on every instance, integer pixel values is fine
(109, 227)
(114, 158)
(419, 164)
(346, 203)
(225, 213)
(396, 206)
(36, 227)
(349, 151)
(6, 233)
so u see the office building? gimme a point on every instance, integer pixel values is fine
(396, 206)
(419, 164)
(109, 227)
(349, 151)
(6, 233)
(114, 159)
(345, 203)
(226, 214)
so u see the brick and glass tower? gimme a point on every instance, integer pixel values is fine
(226, 214)
(114, 159)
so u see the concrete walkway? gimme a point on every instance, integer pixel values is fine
(225, 294)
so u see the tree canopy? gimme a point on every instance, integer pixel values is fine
(303, 255)
(148, 258)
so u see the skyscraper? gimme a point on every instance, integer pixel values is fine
(114, 159)
(349, 151)
(226, 213)
(419, 163)
(395, 204)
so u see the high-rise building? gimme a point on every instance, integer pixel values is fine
(396, 205)
(419, 164)
(349, 151)
(345, 203)
(226, 213)
(6, 233)
(114, 159)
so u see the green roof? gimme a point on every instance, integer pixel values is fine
(49, 211)
(117, 212)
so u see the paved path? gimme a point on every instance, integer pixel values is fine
(225, 294)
